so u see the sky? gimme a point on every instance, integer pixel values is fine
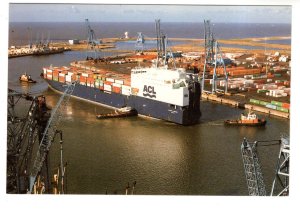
(147, 13)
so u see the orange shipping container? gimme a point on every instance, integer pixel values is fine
(127, 82)
(116, 89)
(90, 80)
(82, 79)
(108, 83)
(62, 79)
(286, 105)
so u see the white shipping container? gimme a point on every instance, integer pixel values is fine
(110, 80)
(49, 70)
(61, 74)
(68, 78)
(85, 74)
(117, 85)
(119, 82)
(125, 92)
(49, 76)
(70, 73)
(107, 87)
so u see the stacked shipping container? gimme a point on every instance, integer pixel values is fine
(96, 78)
(276, 105)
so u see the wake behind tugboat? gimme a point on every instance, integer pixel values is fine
(122, 112)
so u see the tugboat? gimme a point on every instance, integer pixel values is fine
(247, 120)
(122, 112)
(26, 78)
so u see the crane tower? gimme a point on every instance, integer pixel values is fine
(253, 172)
(140, 42)
(213, 58)
(92, 42)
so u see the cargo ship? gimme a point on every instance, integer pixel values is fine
(157, 91)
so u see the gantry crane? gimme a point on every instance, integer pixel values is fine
(92, 42)
(140, 41)
(253, 172)
(213, 58)
(162, 42)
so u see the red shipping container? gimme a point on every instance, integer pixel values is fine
(101, 88)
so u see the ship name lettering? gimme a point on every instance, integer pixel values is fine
(149, 89)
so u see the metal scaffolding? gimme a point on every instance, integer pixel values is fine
(281, 180)
(254, 177)
(22, 134)
(253, 172)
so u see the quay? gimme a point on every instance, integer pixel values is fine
(243, 105)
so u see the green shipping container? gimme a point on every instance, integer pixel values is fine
(254, 101)
(282, 109)
(264, 103)
(277, 75)
(277, 103)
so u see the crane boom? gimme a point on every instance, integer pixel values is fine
(254, 177)
(49, 133)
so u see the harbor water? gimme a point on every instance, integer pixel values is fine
(103, 156)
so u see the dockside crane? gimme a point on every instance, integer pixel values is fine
(162, 42)
(213, 58)
(49, 134)
(281, 180)
(253, 172)
(92, 42)
(140, 42)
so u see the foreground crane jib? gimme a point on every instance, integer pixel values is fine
(49, 133)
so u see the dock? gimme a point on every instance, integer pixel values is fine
(242, 105)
